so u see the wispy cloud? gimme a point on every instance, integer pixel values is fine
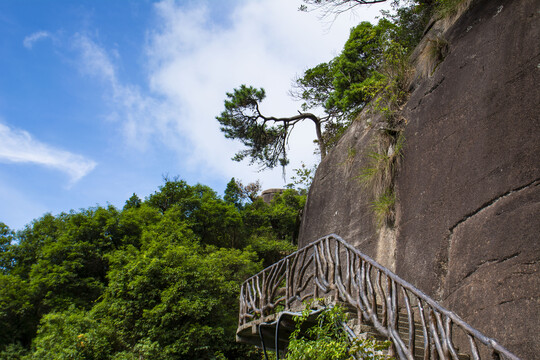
(30, 40)
(194, 57)
(141, 115)
(18, 146)
(95, 60)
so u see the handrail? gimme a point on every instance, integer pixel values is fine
(330, 266)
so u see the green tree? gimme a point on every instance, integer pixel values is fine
(156, 280)
(58, 262)
(315, 87)
(327, 340)
(233, 194)
(180, 299)
(285, 214)
(341, 88)
(17, 325)
(303, 178)
(339, 85)
(133, 221)
(172, 192)
(133, 202)
(410, 20)
(73, 334)
(6, 255)
(213, 220)
(218, 223)
(31, 241)
(13, 351)
(72, 267)
(356, 65)
(279, 220)
(249, 192)
(265, 137)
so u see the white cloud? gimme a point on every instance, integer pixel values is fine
(18, 146)
(96, 62)
(29, 41)
(195, 61)
(194, 58)
(142, 116)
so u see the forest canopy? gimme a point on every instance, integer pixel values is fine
(158, 279)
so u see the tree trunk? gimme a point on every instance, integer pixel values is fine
(322, 146)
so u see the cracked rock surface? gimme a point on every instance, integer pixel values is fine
(468, 189)
(468, 208)
(493, 278)
(337, 202)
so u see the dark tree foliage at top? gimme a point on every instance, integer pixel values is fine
(336, 87)
(133, 202)
(335, 7)
(265, 137)
(6, 238)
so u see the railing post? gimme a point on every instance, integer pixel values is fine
(287, 283)
(241, 306)
(372, 283)
(315, 272)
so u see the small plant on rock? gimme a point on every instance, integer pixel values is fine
(328, 340)
(445, 9)
(433, 54)
(383, 207)
(379, 173)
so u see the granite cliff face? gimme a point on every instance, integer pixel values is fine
(468, 187)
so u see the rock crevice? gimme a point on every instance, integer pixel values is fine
(468, 194)
(490, 203)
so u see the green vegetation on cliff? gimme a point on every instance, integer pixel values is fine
(328, 340)
(372, 69)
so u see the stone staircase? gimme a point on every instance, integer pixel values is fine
(381, 305)
(367, 330)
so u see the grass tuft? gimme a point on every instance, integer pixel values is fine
(377, 166)
(378, 174)
(432, 55)
(449, 9)
(384, 208)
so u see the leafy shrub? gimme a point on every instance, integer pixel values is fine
(328, 341)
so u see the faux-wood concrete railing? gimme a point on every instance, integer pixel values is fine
(332, 267)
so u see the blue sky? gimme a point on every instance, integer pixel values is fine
(100, 99)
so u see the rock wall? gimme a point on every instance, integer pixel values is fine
(268, 194)
(338, 202)
(468, 210)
